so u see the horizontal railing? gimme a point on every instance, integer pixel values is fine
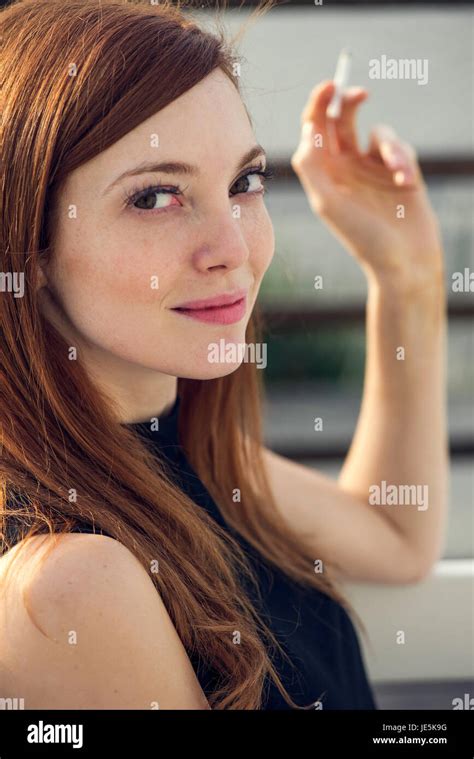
(461, 165)
(288, 317)
(459, 447)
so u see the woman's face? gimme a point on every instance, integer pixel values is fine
(118, 271)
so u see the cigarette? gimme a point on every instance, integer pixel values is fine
(341, 78)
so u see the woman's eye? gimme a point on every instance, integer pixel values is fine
(248, 183)
(158, 198)
(155, 198)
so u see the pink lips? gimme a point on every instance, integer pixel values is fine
(223, 309)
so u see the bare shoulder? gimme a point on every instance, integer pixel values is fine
(84, 569)
(92, 630)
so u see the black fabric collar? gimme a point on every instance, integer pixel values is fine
(167, 425)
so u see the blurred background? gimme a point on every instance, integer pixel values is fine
(315, 338)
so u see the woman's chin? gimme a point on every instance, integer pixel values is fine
(210, 370)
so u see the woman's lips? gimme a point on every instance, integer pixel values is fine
(217, 314)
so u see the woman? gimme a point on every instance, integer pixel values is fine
(133, 191)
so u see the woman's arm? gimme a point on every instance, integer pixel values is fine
(401, 433)
(376, 203)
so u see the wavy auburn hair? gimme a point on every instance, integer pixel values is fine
(58, 430)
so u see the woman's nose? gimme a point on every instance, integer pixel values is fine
(223, 244)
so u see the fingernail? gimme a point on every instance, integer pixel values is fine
(353, 92)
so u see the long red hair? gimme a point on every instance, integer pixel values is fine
(58, 430)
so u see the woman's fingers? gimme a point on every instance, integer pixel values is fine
(398, 156)
(318, 100)
(314, 112)
(323, 136)
(346, 124)
(336, 134)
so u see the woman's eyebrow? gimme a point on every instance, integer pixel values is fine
(178, 167)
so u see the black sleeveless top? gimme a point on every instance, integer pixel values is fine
(313, 629)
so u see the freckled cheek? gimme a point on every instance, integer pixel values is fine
(131, 279)
(116, 274)
(145, 275)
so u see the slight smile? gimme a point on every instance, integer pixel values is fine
(223, 309)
